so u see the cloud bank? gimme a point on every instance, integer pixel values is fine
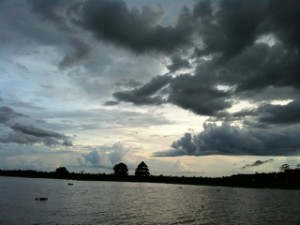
(21, 129)
(230, 140)
(136, 30)
(104, 156)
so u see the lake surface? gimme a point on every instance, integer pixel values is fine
(91, 203)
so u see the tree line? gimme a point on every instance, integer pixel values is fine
(121, 170)
(287, 178)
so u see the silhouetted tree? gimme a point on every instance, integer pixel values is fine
(142, 170)
(121, 169)
(62, 171)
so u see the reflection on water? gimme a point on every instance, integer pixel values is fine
(141, 203)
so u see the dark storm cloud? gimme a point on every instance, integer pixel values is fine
(19, 128)
(261, 66)
(279, 114)
(231, 140)
(185, 143)
(234, 35)
(137, 30)
(197, 95)
(194, 93)
(231, 28)
(178, 63)
(237, 24)
(203, 9)
(284, 19)
(266, 115)
(257, 163)
(145, 95)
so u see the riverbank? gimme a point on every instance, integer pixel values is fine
(289, 179)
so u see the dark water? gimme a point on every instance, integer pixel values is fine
(141, 203)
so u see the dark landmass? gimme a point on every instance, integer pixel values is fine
(289, 179)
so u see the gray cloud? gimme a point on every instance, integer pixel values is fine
(104, 156)
(231, 140)
(28, 134)
(198, 94)
(7, 114)
(137, 30)
(19, 128)
(53, 11)
(187, 91)
(111, 103)
(236, 25)
(178, 63)
(261, 66)
(186, 143)
(279, 114)
(57, 12)
(146, 94)
(103, 119)
(128, 83)
(230, 29)
(203, 9)
(257, 163)
(81, 51)
(269, 115)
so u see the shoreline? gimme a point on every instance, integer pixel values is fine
(289, 180)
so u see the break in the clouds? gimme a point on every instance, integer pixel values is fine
(19, 128)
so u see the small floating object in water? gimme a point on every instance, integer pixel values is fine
(70, 183)
(41, 199)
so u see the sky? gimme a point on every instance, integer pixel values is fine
(192, 88)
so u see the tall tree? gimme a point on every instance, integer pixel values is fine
(121, 169)
(62, 171)
(142, 170)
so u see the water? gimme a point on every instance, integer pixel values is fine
(141, 203)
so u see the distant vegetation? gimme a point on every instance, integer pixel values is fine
(285, 179)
